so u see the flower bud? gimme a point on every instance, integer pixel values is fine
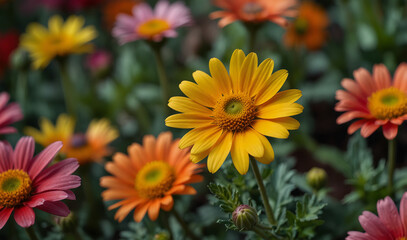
(99, 63)
(162, 236)
(316, 178)
(20, 59)
(245, 217)
(68, 223)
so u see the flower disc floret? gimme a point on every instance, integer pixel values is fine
(15, 188)
(234, 112)
(154, 179)
(153, 27)
(388, 103)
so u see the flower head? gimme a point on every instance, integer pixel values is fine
(309, 28)
(26, 182)
(234, 112)
(254, 11)
(113, 8)
(61, 39)
(146, 179)
(8, 43)
(245, 217)
(389, 225)
(99, 62)
(91, 146)
(9, 113)
(152, 25)
(375, 99)
(316, 178)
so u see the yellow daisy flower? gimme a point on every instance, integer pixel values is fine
(232, 113)
(60, 39)
(48, 133)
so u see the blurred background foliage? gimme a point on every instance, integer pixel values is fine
(361, 33)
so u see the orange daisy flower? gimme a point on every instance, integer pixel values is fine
(115, 7)
(255, 11)
(309, 28)
(375, 99)
(146, 179)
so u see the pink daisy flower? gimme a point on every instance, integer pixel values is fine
(375, 100)
(26, 182)
(9, 113)
(149, 24)
(389, 225)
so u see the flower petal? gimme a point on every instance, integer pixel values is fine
(43, 159)
(4, 216)
(390, 217)
(373, 226)
(219, 153)
(240, 157)
(270, 128)
(56, 208)
(272, 86)
(24, 216)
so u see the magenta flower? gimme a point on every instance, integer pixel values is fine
(389, 225)
(26, 182)
(99, 62)
(9, 113)
(149, 24)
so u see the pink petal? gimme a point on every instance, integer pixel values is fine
(365, 81)
(368, 128)
(347, 116)
(373, 226)
(56, 208)
(44, 158)
(390, 217)
(6, 156)
(381, 76)
(24, 216)
(400, 77)
(23, 153)
(5, 215)
(71, 195)
(390, 131)
(63, 168)
(356, 125)
(4, 97)
(59, 183)
(7, 130)
(353, 235)
(52, 196)
(403, 211)
(352, 87)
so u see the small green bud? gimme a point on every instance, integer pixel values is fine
(68, 224)
(162, 236)
(20, 59)
(245, 217)
(316, 178)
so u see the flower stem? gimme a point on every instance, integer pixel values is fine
(69, 92)
(31, 233)
(391, 161)
(162, 75)
(263, 192)
(22, 89)
(252, 29)
(261, 233)
(184, 226)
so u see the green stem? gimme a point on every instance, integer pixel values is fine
(69, 92)
(21, 89)
(162, 75)
(263, 192)
(31, 233)
(252, 29)
(391, 162)
(184, 226)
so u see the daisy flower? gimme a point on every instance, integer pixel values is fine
(254, 11)
(60, 39)
(309, 28)
(375, 100)
(389, 225)
(113, 8)
(9, 113)
(149, 176)
(152, 25)
(234, 112)
(26, 182)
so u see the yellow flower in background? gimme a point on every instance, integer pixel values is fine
(48, 133)
(60, 39)
(91, 146)
(233, 112)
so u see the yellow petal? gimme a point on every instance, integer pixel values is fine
(205, 81)
(73, 24)
(263, 73)
(252, 143)
(278, 111)
(190, 137)
(270, 128)
(186, 105)
(195, 158)
(272, 86)
(268, 156)
(285, 97)
(219, 153)
(207, 139)
(185, 120)
(197, 93)
(236, 61)
(288, 122)
(55, 24)
(249, 67)
(240, 157)
(221, 76)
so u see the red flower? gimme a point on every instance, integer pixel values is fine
(8, 43)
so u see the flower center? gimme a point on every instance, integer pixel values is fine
(301, 26)
(154, 179)
(252, 8)
(388, 103)
(15, 187)
(153, 27)
(234, 112)
(79, 140)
